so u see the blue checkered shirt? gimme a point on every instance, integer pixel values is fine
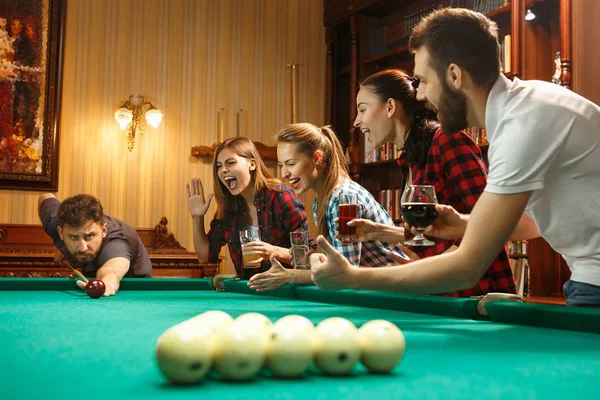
(373, 253)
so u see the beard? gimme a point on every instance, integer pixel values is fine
(452, 111)
(84, 258)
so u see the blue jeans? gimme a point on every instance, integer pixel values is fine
(582, 294)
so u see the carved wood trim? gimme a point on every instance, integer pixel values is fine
(267, 153)
(565, 43)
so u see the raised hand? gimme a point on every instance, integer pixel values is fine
(450, 224)
(195, 195)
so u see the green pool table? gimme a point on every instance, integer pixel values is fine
(56, 343)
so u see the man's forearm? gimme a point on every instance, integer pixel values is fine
(301, 277)
(201, 242)
(525, 229)
(441, 274)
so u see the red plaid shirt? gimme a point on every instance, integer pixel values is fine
(455, 168)
(279, 213)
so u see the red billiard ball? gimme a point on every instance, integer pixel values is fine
(95, 288)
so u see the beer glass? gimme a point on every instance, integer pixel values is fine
(299, 241)
(347, 211)
(250, 234)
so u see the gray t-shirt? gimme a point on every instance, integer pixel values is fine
(121, 241)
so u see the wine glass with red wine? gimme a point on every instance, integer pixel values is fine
(418, 210)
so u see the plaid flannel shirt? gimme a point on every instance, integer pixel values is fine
(279, 213)
(455, 168)
(372, 253)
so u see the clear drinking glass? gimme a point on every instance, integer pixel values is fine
(250, 234)
(299, 242)
(418, 210)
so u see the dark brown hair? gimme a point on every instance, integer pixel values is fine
(398, 85)
(309, 138)
(79, 209)
(261, 177)
(463, 37)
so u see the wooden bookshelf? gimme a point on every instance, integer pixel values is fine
(390, 53)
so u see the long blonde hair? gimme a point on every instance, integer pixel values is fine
(310, 138)
(261, 177)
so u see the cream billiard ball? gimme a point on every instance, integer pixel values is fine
(336, 346)
(184, 353)
(253, 321)
(290, 348)
(216, 320)
(382, 345)
(239, 352)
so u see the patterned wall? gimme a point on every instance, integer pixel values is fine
(190, 58)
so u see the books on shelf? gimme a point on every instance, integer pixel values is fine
(477, 134)
(389, 37)
(519, 263)
(391, 200)
(517, 248)
(487, 6)
(505, 59)
(386, 152)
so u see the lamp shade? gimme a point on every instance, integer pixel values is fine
(153, 117)
(123, 117)
(529, 15)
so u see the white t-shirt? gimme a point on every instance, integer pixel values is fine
(546, 139)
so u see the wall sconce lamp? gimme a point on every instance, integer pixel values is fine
(529, 15)
(128, 117)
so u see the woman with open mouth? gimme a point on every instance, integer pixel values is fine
(442, 156)
(247, 196)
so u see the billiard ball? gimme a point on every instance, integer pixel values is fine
(382, 346)
(239, 352)
(290, 348)
(215, 319)
(336, 346)
(184, 353)
(254, 321)
(95, 288)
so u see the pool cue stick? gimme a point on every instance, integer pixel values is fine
(80, 275)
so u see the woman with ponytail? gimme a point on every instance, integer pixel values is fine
(312, 158)
(246, 195)
(388, 111)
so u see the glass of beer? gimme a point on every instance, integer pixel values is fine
(418, 210)
(347, 211)
(299, 242)
(250, 234)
